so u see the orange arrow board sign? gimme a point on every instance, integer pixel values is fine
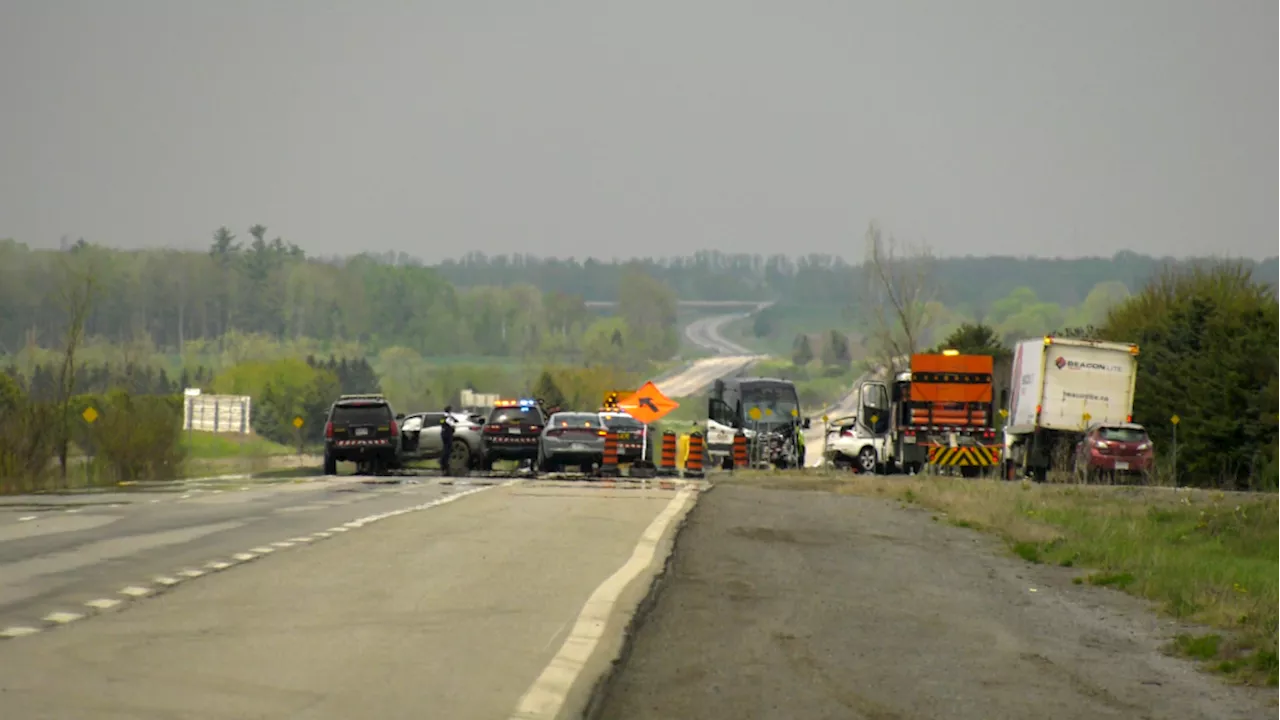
(648, 404)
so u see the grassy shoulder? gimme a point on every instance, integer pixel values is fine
(208, 445)
(1208, 558)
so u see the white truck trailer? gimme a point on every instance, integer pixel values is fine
(1059, 387)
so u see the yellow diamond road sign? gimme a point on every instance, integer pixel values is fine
(89, 414)
(1175, 419)
(297, 421)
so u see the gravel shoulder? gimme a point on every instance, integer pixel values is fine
(803, 604)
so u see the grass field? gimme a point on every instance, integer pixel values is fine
(1204, 557)
(788, 321)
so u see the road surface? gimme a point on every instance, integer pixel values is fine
(801, 605)
(730, 357)
(506, 602)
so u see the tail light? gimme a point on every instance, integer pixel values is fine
(328, 429)
(395, 429)
(555, 432)
(493, 428)
(847, 432)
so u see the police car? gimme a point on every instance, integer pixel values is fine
(512, 431)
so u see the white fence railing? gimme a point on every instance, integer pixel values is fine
(217, 413)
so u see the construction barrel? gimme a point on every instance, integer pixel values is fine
(609, 463)
(667, 458)
(740, 459)
(693, 464)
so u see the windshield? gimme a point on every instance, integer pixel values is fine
(361, 415)
(776, 404)
(505, 415)
(1125, 435)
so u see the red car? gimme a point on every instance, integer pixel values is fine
(1114, 449)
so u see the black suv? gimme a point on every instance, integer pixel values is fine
(513, 431)
(362, 429)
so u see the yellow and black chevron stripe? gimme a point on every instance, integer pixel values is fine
(981, 455)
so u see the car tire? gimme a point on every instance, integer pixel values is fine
(867, 461)
(459, 458)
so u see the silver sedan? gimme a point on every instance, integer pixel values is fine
(571, 438)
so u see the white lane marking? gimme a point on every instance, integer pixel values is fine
(18, 631)
(218, 565)
(165, 580)
(62, 618)
(26, 518)
(300, 540)
(72, 510)
(190, 573)
(155, 501)
(102, 603)
(321, 535)
(338, 529)
(546, 697)
(184, 497)
(243, 557)
(135, 591)
(282, 544)
(261, 550)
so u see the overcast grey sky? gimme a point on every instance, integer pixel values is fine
(1060, 128)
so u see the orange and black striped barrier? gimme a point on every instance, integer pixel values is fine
(667, 458)
(609, 463)
(693, 463)
(740, 459)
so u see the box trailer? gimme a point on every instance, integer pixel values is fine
(1058, 388)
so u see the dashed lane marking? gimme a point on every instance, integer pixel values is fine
(282, 544)
(138, 591)
(25, 518)
(62, 618)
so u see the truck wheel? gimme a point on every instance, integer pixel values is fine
(970, 471)
(330, 464)
(867, 461)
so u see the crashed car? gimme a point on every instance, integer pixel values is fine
(420, 439)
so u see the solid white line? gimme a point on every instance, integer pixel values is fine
(18, 631)
(546, 697)
(338, 529)
(102, 603)
(135, 591)
(62, 618)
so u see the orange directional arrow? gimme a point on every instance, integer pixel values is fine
(648, 404)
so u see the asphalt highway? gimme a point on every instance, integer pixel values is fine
(463, 601)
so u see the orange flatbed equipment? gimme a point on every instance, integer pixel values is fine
(951, 390)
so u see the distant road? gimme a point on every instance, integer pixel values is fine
(730, 358)
(507, 603)
(698, 304)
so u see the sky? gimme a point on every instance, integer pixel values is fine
(606, 129)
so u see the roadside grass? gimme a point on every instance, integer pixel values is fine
(1205, 557)
(208, 445)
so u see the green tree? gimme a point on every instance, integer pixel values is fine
(974, 339)
(835, 351)
(1207, 335)
(548, 391)
(648, 307)
(801, 351)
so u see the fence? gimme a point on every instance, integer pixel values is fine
(217, 413)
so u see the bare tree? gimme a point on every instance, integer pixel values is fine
(900, 286)
(79, 286)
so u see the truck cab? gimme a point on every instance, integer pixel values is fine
(766, 411)
(938, 413)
